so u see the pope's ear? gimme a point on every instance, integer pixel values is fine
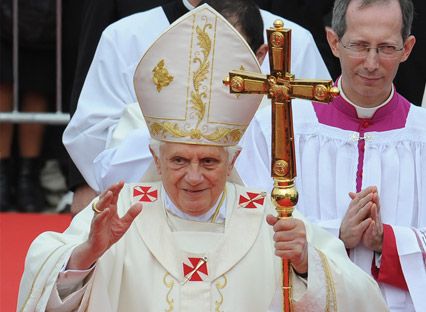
(156, 160)
(333, 40)
(233, 160)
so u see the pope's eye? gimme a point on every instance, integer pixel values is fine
(209, 161)
(178, 160)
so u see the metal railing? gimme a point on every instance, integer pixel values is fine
(15, 116)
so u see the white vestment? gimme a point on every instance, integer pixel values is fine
(153, 267)
(108, 88)
(327, 158)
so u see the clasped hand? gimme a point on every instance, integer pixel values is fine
(362, 223)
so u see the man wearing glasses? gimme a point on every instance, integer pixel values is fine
(370, 144)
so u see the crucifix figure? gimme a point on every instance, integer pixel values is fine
(281, 87)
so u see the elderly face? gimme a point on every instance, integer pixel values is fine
(367, 80)
(193, 175)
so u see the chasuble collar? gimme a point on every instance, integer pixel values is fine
(216, 214)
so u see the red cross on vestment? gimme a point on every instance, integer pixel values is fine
(145, 193)
(252, 200)
(192, 270)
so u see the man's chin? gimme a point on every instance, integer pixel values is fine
(195, 208)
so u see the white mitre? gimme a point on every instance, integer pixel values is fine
(179, 87)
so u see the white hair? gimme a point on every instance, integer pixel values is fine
(232, 151)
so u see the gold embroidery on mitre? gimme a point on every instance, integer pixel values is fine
(225, 135)
(161, 77)
(199, 89)
(220, 135)
(169, 284)
(219, 286)
(200, 75)
(331, 301)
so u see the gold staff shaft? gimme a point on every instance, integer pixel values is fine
(283, 165)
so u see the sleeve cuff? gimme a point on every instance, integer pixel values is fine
(388, 269)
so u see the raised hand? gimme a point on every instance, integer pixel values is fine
(106, 228)
(290, 241)
(357, 218)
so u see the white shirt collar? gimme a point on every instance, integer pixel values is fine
(364, 112)
(171, 207)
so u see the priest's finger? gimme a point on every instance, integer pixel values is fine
(374, 213)
(363, 213)
(362, 227)
(364, 200)
(376, 200)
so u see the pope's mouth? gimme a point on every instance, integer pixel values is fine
(194, 191)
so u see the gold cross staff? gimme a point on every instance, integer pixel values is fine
(281, 87)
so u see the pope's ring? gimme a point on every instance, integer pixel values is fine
(96, 210)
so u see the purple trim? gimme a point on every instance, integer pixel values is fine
(342, 115)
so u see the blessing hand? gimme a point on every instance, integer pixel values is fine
(290, 241)
(105, 230)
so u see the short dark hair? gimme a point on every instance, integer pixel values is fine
(245, 16)
(341, 6)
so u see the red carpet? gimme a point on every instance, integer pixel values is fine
(17, 231)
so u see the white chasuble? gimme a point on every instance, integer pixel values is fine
(167, 264)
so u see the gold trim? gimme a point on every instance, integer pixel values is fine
(165, 128)
(161, 77)
(197, 96)
(169, 284)
(216, 212)
(35, 278)
(219, 287)
(331, 301)
(227, 134)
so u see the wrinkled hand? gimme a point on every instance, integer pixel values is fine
(290, 241)
(373, 235)
(106, 229)
(357, 218)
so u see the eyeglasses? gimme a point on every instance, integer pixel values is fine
(361, 50)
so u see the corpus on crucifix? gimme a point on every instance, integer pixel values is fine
(281, 87)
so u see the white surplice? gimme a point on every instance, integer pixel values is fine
(108, 89)
(327, 159)
(146, 269)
